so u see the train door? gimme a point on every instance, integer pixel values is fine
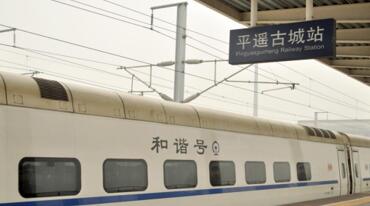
(343, 173)
(356, 172)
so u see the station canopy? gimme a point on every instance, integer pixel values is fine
(352, 18)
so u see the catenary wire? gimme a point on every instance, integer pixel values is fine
(193, 39)
(120, 89)
(113, 54)
(167, 22)
(99, 70)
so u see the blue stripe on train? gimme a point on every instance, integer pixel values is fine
(162, 195)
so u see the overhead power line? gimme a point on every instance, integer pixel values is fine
(76, 44)
(62, 76)
(94, 61)
(325, 85)
(120, 89)
(131, 23)
(163, 34)
(167, 22)
(113, 54)
(323, 97)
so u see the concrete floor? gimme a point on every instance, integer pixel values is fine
(362, 199)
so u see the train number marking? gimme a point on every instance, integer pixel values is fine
(159, 144)
(181, 146)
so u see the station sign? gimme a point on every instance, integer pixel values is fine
(282, 42)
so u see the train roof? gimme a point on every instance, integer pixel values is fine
(18, 90)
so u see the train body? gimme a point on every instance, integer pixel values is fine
(63, 144)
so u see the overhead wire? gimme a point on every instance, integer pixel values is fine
(217, 97)
(157, 31)
(167, 22)
(234, 86)
(142, 13)
(76, 44)
(113, 54)
(134, 24)
(325, 85)
(115, 88)
(323, 97)
(62, 76)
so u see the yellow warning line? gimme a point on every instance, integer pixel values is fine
(355, 202)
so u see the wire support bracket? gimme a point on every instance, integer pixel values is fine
(292, 86)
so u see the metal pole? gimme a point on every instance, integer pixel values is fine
(316, 118)
(254, 10)
(180, 53)
(180, 49)
(309, 10)
(255, 97)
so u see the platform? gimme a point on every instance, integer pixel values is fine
(362, 199)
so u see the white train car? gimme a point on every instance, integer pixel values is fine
(63, 144)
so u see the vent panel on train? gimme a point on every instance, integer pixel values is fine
(50, 89)
(312, 131)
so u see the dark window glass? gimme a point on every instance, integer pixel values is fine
(124, 175)
(44, 177)
(281, 171)
(222, 173)
(303, 171)
(180, 174)
(255, 172)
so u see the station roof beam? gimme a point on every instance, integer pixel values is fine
(345, 13)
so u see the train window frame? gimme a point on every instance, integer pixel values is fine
(228, 183)
(50, 161)
(275, 173)
(248, 180)
(133, 189)
(171, 187)
(307, 176)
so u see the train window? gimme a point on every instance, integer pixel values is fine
(45, 177)
(124, 175)
(222, 173)
(281, 171)
(255, 172)
(303, 171)
(343, 171)
(180, 174)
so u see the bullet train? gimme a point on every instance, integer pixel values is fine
(63, 144)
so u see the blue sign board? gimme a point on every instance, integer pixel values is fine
(303, 40)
